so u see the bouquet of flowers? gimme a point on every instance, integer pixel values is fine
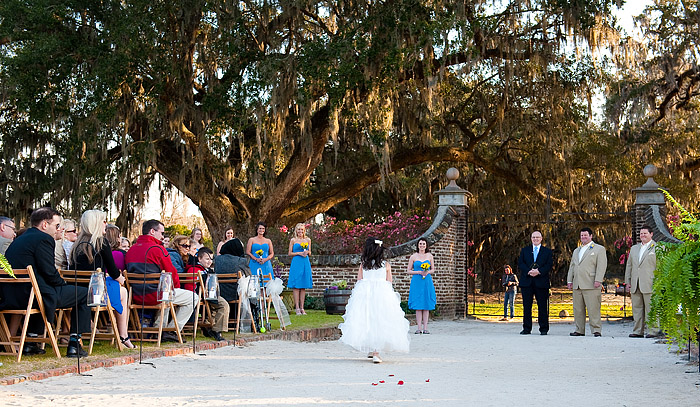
(426, 267)
(304, 245)
(259, 252)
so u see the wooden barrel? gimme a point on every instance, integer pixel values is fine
(335, 301)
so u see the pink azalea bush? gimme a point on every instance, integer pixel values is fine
(624, 244)
(348, 237)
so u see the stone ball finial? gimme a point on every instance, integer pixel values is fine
(649, 171)
(452, 174)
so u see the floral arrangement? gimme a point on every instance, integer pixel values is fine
(339, 285)
(259, 253)
(304, 245)
(5, 265)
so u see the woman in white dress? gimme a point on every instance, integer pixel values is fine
(374, 320)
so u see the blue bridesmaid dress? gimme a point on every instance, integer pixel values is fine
(421, 295)
(265, 268)
(300, 270)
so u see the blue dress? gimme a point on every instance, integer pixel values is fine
(300, 270)
(421, 295)
(265, 268)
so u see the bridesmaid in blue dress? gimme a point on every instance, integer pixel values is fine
(260, 251)
(300, 270)
(421, 295)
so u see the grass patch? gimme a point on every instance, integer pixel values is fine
(103, 350)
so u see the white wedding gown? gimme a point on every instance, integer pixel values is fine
(374, 320)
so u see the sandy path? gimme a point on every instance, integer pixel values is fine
(466, 363)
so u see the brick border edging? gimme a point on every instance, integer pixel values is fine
(304, 335)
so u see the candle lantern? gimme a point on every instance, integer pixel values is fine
(97, 290)
(212, 287)
(166, 291)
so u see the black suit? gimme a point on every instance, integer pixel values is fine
(36, 248)
(535, 286)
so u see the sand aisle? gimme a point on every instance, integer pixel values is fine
(466, 363)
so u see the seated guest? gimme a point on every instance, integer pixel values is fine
(180, 252)
(198, 238)
(136, 262)
(65, 244)
(220, 308)
(228, 235)
(93, 226)
(35, 248)
(113, 236)
(231, 260)
(125, 244)
(7, 233)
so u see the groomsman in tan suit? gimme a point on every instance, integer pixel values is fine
(586, 273)
(639, 276)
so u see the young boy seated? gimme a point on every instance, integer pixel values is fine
(220, 308)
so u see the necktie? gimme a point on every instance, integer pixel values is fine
(534, 252)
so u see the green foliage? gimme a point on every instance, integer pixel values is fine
(315, 303)
(675, 303)
(6, 267)
(174, 230)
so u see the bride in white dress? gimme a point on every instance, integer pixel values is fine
(374, 320)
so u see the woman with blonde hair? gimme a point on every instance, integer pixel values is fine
(91, 251)
(300, 270)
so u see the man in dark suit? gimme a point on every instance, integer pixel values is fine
(535, 263)
(35, 248)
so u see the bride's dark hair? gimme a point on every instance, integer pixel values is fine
(372, 254)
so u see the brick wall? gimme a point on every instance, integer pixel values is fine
(448, 245)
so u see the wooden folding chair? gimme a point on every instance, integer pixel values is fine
(162, 307)
(234, 320)
(268, 301)
(101, 330)
(195, 280)
(12, 343)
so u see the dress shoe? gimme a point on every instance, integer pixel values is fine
(217, 336)
(543, 333)
(636, 336)
(207, 332)
(576, 334)
(597, 334)
(169, 337)
(74, 350)
(32, 348)
(524, 332)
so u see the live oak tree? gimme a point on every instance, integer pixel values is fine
(653, 105)
(279, 110)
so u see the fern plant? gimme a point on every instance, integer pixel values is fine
(675, 303)
(6, 266)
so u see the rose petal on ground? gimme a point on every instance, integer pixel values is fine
(427, 380)
(374, 384)
(400, 382)
(391, 375)
(381, 381)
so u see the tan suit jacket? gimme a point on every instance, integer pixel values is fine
(582, 274)
(640, 274)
